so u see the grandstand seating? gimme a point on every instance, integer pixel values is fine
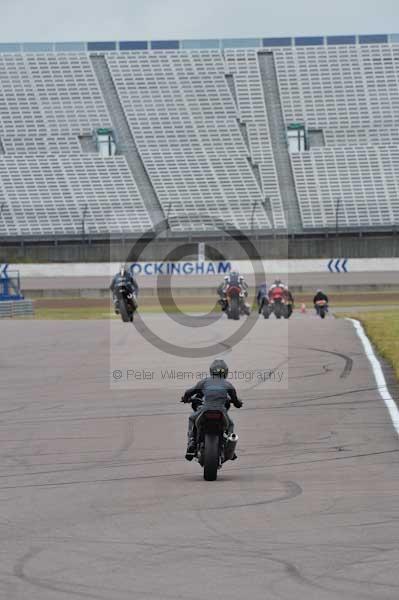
(39, 145)
(377, 136)
(357, 184)
(351, 93)
(183, 119)
(199, 120)
(353, 86)
(49, 94)
(48, 195)
(243, 65)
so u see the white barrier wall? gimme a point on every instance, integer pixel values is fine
(189, 268)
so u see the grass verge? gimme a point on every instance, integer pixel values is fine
(67, 308)
(72, 313)
(99, 312)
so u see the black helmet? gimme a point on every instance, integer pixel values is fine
(219, 368)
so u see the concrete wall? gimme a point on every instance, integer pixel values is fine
(101, 251)
(150, 269)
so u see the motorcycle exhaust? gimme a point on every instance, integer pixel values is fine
(230, 446)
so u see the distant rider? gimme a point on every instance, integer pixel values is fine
(123, 275)
(320, 295)
(261, 296)
(277, 289)
(243, 284)
(221, 290)
(216, 393)
(234, 278)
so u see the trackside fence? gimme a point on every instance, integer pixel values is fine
(16, 308)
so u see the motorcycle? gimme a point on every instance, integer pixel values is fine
(321, 308)
(126, 301)
(234, 299)
(277, 304)
(265, 308)
(214, 445)
(280, 304)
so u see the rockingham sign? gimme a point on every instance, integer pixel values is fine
(180, 268)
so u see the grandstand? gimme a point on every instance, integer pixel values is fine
(200, 131)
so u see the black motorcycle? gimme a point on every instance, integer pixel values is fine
(126, 301)
(264, 307)
(321, 308)
(234, 303)
(214, 444)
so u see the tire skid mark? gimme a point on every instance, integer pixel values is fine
(84, 591)
(45, 584)
(348, 360)
(88, 465)
(112, 465)
(184, 474)
(289, 567)
(366, 582)
(293, 490)
(12, 410)
(271, 371)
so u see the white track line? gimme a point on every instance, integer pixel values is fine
(378, 374)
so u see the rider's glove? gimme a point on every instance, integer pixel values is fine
(239, 403)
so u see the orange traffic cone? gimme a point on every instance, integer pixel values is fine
(303, 307)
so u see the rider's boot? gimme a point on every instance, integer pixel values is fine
(191, 449)
(223, 304)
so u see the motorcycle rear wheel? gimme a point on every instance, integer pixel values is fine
(124, 311)
(235, 308)
(211, 457)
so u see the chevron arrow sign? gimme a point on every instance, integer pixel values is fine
(337, 265)
(3, 270)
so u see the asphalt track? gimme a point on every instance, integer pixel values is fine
(97, 501)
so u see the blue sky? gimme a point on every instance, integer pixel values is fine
(63, 20)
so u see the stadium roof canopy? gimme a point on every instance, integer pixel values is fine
(222, 43)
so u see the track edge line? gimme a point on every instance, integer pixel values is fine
(378, 373)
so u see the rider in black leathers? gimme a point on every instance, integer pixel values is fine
(131, 284)
(217, 393)
(221, 291)
(320, 295)
(261, 296)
